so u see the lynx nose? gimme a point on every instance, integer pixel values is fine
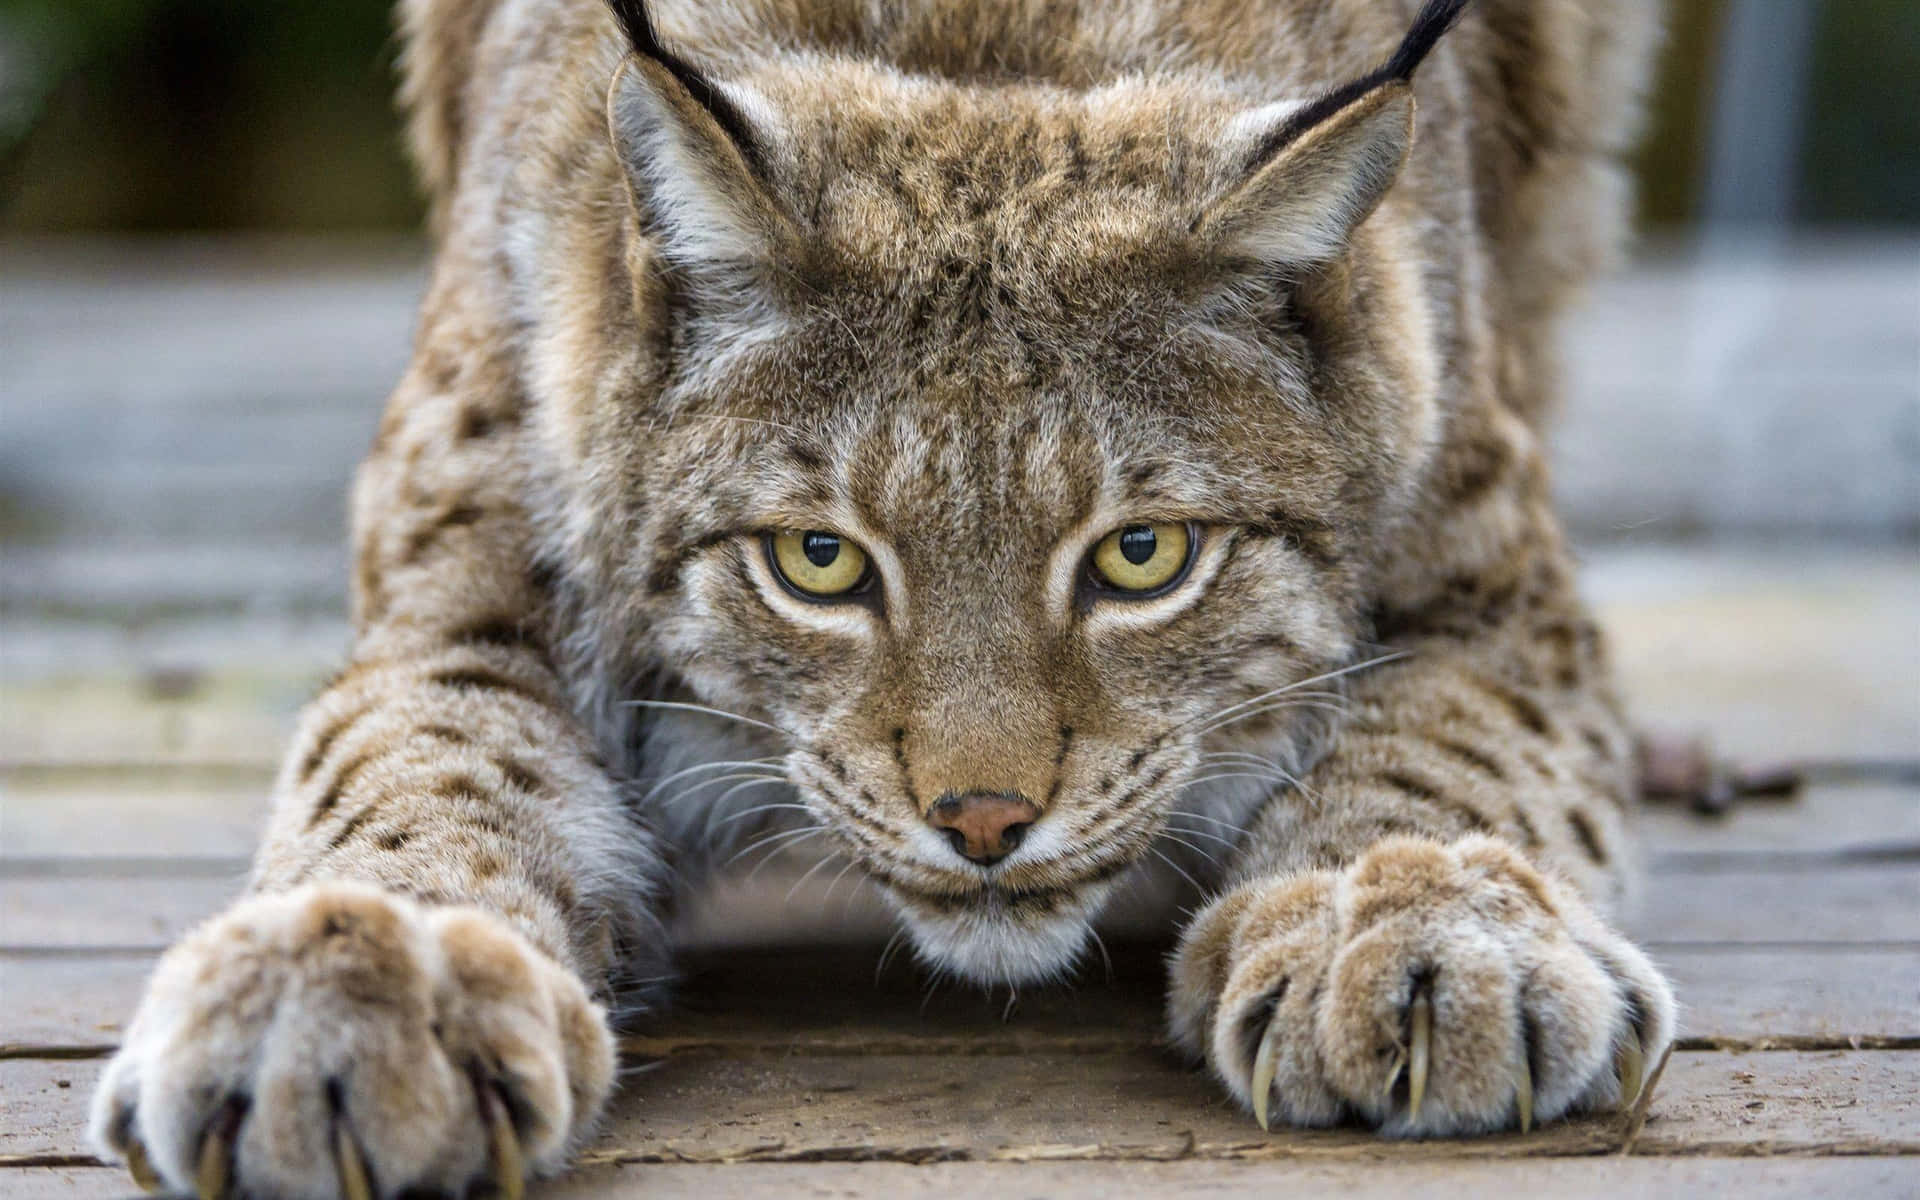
(984, 827)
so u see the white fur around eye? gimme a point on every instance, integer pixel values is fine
(1115, 614)
(846, 620)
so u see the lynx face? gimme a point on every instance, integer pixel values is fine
(1011, 448)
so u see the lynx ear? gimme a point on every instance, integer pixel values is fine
(1310, 173)
(695, 154)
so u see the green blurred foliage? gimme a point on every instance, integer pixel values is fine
(201, 114)
(1860, 156)
(153, 115)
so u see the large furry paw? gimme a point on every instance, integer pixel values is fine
(342, 1041)
(1428, 989)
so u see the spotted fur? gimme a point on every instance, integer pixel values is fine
(972, 284)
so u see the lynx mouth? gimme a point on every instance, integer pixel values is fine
(1010, 894)
(1001, 935)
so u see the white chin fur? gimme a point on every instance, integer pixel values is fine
(984, 946)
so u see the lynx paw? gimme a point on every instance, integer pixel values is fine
(342, 1041)
(1427, 989)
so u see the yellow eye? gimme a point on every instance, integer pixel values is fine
(1142, 558)
(818, 563)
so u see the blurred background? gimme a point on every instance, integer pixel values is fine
(209, 258)
(166, 116)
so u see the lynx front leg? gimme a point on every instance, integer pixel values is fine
(410, 997)
(1429, 988)
(1417, 938)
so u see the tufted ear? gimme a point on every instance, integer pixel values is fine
(695, 152)
(1308, 174)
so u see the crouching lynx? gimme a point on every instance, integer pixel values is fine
(1030, 440)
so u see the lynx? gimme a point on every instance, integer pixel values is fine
(1020, 446)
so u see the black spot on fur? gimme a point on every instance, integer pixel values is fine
(1433, 797)
(1476, 759)
(1524, 708)
(338, 787)
(479, 678)
(353, 826)
(327, 738)
(496, 631)
(454, 517)
(1588, 835)
(519, 775)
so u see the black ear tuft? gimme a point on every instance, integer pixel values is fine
(1433, 20)
(637, 21)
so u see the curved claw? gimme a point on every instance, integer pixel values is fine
(214, 1177)
(1523, 1095)
(141, 1168)
(216, 1168)
(503, 1145)
(354, 1184)
(1419, 1051)
(1630, 1063)
(1265, 1063)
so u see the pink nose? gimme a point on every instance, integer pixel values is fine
(984, 827)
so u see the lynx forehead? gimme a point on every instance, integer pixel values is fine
(1009, 450)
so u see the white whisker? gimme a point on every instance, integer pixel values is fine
(662, 782)
(887, 952)
(1161, 855)
(1180, 841)
(852, 862)
(771, 838)
(1294, 686)
(1194, 816)
(1261, 775)
(757, 809)
(689, 793)
(682, 706)
(1270, 707)
(808, 874)
(1201, 833)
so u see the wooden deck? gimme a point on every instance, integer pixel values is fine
(156, 640)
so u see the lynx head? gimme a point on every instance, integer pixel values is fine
(1006, 445)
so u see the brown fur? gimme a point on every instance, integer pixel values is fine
(973, 285)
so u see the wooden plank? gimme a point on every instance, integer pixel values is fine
(1738, 994)
(1113, 1105)
(151, 810)
(91, 815)
(1878, 1178)
(1140, 1105)
(1804, 653)
(1822, 819)
(43, 1106)
(1866, 904)
(104, 912)
(831, 999)
(1585, 1179)
(67, 1183)
(238, 718)
(1852, 905)
(68, 1003)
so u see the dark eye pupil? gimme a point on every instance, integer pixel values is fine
(820, 548)
(1137, 543)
